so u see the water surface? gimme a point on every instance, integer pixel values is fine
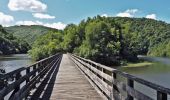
(157, 73)
(13, 62)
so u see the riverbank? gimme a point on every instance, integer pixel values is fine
(140, 64)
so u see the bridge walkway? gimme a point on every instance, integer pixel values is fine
(68, 84)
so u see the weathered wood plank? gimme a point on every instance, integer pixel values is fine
(70, 84)
(143, 82)
(24, 91)
(26, 77)
(134, 93)
(99, 82)
(91, 69)
(97, 64)
(102, 74)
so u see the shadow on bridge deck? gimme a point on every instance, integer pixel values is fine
(65, 82)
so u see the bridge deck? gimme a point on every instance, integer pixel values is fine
(70, 84)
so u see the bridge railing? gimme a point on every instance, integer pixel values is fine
(106, 80)
(25, 79)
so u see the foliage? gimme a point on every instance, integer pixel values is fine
(29, 33)
(10, 44)
(161, 49)
(99, 39)
(71, 38)
(46, 45)
(108, 40)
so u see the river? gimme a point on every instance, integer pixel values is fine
(158, 73)
(13, 62)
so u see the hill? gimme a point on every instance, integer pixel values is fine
(10, 44)
(29, 33)
(148, 36)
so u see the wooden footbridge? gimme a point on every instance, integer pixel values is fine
(69, 77)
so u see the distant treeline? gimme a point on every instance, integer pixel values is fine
(108, 40)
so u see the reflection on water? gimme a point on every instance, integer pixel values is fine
(157, 73)
(13, 62)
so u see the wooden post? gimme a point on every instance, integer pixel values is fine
(27, 72)
(42, 67)
(34, 68)
(161, 96)
(102, 78)
(113, 85)
(130, 83)
(18, 76)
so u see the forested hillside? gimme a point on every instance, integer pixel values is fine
(28, 33)
(149, 36)
(110, 39)
(9, 44)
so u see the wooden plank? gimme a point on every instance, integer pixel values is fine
(8, 75)
(26, 89)
(130, 83)
(161, 96)
(134, 93)
(91, 82)
(17, 82)
(97, 64)
(70, 84)
(102, 74)
(100, 83)
(12, 86)
(144, 82)
(129, 89)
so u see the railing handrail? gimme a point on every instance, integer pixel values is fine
(162, 91)
(143, 82)
(6, 75)
(32, 75)
(97, 64)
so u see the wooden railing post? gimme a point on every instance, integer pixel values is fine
(27, 72)
(34, 68)
(113, 85)
(17, 77)
(42, 67)
(130, 83)
(161, 96)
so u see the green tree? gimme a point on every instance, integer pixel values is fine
(46, 45)
(71, 38)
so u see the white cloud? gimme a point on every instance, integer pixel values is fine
(58, 25)
(5, 20)
(43, 16)
(27, 5)
(104, 15)
(127, 13)
(151, 16)
(27, 23)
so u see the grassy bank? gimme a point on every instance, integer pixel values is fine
(140, 64)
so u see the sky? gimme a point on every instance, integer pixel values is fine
(58, 13)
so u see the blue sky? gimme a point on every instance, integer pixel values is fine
(59, 13)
